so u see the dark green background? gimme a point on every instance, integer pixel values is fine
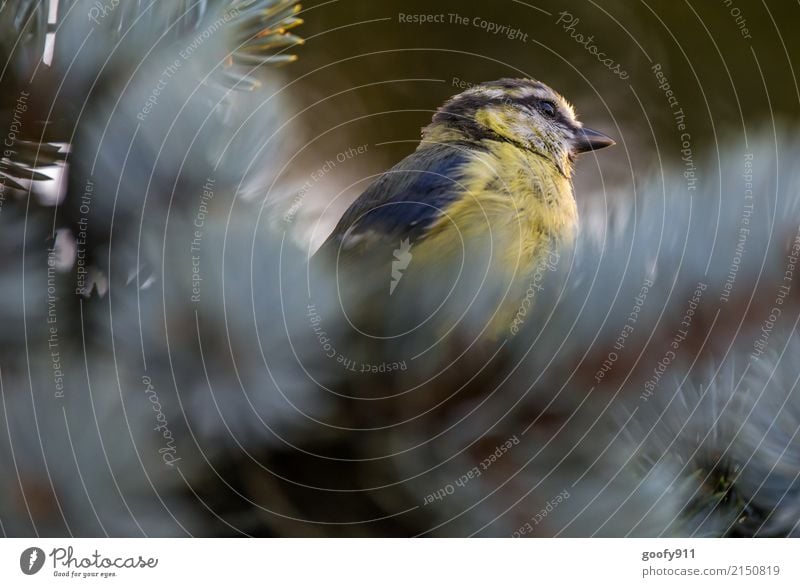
(726, 84)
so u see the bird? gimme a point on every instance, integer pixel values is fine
(494, 166)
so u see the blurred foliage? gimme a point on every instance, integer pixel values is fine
(207, 324)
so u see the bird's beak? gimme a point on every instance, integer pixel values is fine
(590, 140)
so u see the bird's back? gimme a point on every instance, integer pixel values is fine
(403, 203)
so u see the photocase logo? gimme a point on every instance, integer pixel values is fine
(31, 560)
(402, 257)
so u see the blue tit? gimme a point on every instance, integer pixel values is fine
(495, 163)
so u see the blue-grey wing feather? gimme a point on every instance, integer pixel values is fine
(404, 201)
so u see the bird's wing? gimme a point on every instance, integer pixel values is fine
(403, 202)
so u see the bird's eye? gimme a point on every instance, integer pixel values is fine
(547, 108)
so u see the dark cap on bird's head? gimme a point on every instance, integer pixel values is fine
(524, 112)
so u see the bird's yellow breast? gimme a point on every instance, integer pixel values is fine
(515, 199)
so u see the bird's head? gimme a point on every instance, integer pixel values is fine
(524, 112)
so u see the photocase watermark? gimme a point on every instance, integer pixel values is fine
(549, 264)
(10, 141)
(100, 10)
(402, 258)
(168, 451)
(344, 361)
(569, 23)
(52, 325)
(67, 564)
(627, 330)
(31, 560)
(538, 517)
(152, 100)
(744, 229)
(206, 196)
(172, 69)
(20, 107)
(494, 28)
(475, 472)
(680, 335)
(478, 22)
(318, 174)
(464, 85)
(81, 239)
(768, 325)
(207, 32)
(738, 18)
(687, 156)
